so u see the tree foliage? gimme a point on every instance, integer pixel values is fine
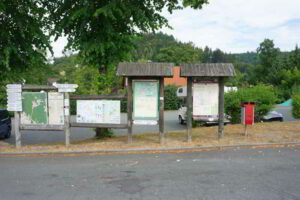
(102, 31)
(263, 95)
(23, 39)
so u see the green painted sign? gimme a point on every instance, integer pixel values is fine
(35, 110)
(145, 100)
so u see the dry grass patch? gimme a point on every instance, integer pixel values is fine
(276, 132)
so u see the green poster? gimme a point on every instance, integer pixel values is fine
(145, 100)
(35, 109)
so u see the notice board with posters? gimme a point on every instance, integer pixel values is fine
(98, 111)
(205, 99)
(145, 101)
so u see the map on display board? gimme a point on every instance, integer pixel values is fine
(99, 111)
(205, 99)
(145, 100)
(35, 109)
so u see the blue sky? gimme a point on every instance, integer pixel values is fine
(233, 26)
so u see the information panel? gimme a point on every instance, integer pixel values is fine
(99, 111)
(56, 108)
(145, 100)
(35, 109)
(205, 99)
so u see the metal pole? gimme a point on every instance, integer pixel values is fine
(17, 129)
(67, 118)
(129, 109)
(189, 108)
(221, 108)
(161, 111)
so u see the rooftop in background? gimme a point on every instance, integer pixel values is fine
(207, 70)
(176, 79)
(145, 69)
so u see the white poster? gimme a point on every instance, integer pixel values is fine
(56, 108)
(205, 99)
(99, 111)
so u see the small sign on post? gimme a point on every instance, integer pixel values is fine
(65, 87)
(14, 97)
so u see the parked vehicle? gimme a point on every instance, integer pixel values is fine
(273, 116)
(206, 120)
(5, 124)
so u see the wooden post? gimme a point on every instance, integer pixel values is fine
(129, 109)
(161, 111)
(189, 108)
(67, 118)
(17, 129)
(221, 108)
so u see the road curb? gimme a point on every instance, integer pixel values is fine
(154, 150)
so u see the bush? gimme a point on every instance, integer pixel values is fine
(172, 102)
(264, 96)
(296, 106)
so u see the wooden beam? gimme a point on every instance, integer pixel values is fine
(17, 129)
(67, 118)
(189, 105)
(221, 108)
(94, 125)
(46, 127)
(97, 97)
(161, 111)
(129, 109)
(38, 87)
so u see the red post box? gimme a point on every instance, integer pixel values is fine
(247, 117)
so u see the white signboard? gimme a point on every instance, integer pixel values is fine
(205, 99)
(56, 108)
(99, 111)
(65, 87)
(14, 97)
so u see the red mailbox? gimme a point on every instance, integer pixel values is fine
(247, 117)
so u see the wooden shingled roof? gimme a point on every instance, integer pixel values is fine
(145, 69)
(207, 70)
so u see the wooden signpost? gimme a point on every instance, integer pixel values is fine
(146, 107)
(199, 72)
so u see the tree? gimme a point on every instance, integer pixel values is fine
(268, 69)
(23, 40)
(180, 53)
(102, 31)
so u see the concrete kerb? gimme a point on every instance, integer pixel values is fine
(154, 150)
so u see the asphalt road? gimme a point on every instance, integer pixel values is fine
(171, 124)
(269, 174)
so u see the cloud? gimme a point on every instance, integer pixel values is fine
(233, 26)
(238, 25)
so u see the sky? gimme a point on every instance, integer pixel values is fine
(234, 26)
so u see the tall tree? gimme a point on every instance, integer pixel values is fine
(102, 30)
(23, 39)
(269, 66)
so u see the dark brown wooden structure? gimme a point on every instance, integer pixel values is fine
(145, 71)
(198, 72)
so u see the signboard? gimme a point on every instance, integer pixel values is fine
(14, 97)
(35, 110)
(99, 111)
(145, 100)
(56, 108)
(205, 99)
(65, 87)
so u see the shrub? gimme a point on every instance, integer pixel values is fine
(264, 96)
(296, 106)
(172, 102)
